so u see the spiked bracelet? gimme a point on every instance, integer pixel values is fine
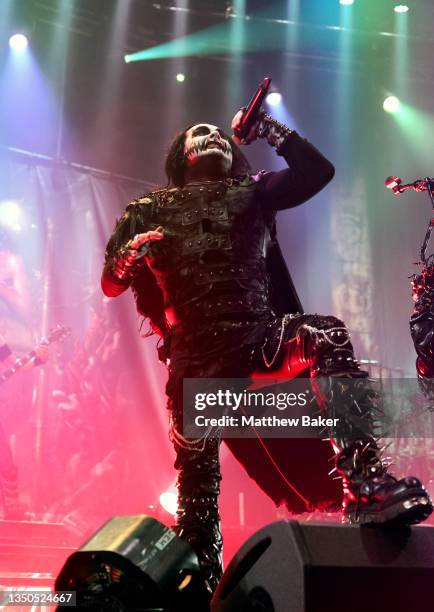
(126, 264)
(276, 133)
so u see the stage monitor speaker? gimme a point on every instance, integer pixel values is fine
(305, 567)
(134, 563)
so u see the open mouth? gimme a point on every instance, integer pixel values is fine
(207, 146)
(222, 146)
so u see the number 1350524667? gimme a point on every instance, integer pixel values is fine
(36, 597)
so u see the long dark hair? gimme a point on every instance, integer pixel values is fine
(175, 160)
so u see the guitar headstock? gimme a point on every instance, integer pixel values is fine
(58, 334)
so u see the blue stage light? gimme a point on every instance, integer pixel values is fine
(18, 42)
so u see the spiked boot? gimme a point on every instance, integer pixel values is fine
(197, 518)
(198, 523)
(371, 495)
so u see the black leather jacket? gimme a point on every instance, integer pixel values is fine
(219, 258)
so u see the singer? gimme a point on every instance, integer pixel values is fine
(212, 281)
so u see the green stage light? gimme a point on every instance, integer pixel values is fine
(233, 37)
(180, 77)
(416, 125)
(401, 8)
(346, 2)
(391, 104)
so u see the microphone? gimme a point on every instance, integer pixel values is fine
(251, 113)
(143, 251)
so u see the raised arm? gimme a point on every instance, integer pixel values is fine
(308, 172)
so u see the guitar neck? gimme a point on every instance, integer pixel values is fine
(58, 334)
(18, 365)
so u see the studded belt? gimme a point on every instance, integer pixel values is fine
(228, 272)
(216, 306)
(206, 242)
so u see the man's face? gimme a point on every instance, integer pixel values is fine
(203, 141)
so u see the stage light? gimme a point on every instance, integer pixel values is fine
(127, 59)
(11, 215)
(274, 98)
(180, 77)
(401, 8)
(18, 42)
(346, 2)
(391, 104)
(134, 563)
(169, 501)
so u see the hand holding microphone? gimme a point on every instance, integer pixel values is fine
(245, 122)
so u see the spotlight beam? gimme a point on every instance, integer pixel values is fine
(261, 35)
(312, 27)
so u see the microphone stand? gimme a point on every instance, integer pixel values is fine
(395, 184)
(429, 184)
(422, 285)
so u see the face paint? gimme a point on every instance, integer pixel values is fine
(204, 140)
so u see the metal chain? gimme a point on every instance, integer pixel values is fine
(188, 444)
(285, 321)
(324, 333)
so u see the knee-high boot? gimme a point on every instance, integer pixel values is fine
(370, 493)
(197, 519)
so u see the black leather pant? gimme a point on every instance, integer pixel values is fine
(198, 519)
(322, 345)
(314, 343)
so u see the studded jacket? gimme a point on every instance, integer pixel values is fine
(219, 259)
